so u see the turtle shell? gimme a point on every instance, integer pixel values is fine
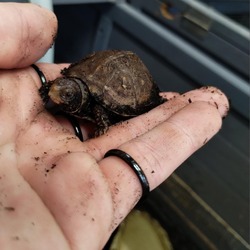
(117, 80)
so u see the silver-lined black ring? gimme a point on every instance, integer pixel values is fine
(135, 167)
(40, 74)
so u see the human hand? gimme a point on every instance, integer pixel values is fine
(57, 192)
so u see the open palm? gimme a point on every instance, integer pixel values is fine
(57, 192)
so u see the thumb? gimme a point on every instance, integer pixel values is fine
(27, 32)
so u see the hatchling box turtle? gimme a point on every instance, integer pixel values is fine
(105, 87)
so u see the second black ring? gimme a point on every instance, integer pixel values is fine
(134, 166)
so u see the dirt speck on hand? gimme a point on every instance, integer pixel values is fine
(10, 209)
(15, 238)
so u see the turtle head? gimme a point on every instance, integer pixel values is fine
(69, 93)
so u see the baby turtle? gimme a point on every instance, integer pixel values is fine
(105, 87)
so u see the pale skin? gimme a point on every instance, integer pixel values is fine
(57, 192)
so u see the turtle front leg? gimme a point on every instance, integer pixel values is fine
(101, 119)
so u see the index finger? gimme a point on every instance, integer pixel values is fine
(27, 32)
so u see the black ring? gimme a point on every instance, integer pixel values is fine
(40, 74)
(135, 167)
(74, 123)
(76, 126)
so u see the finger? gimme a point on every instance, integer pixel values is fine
(19, 90)
(67, 180)
(19, 96)
(159, 152)
(23, 216)
(137, 126)
(27, 32)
